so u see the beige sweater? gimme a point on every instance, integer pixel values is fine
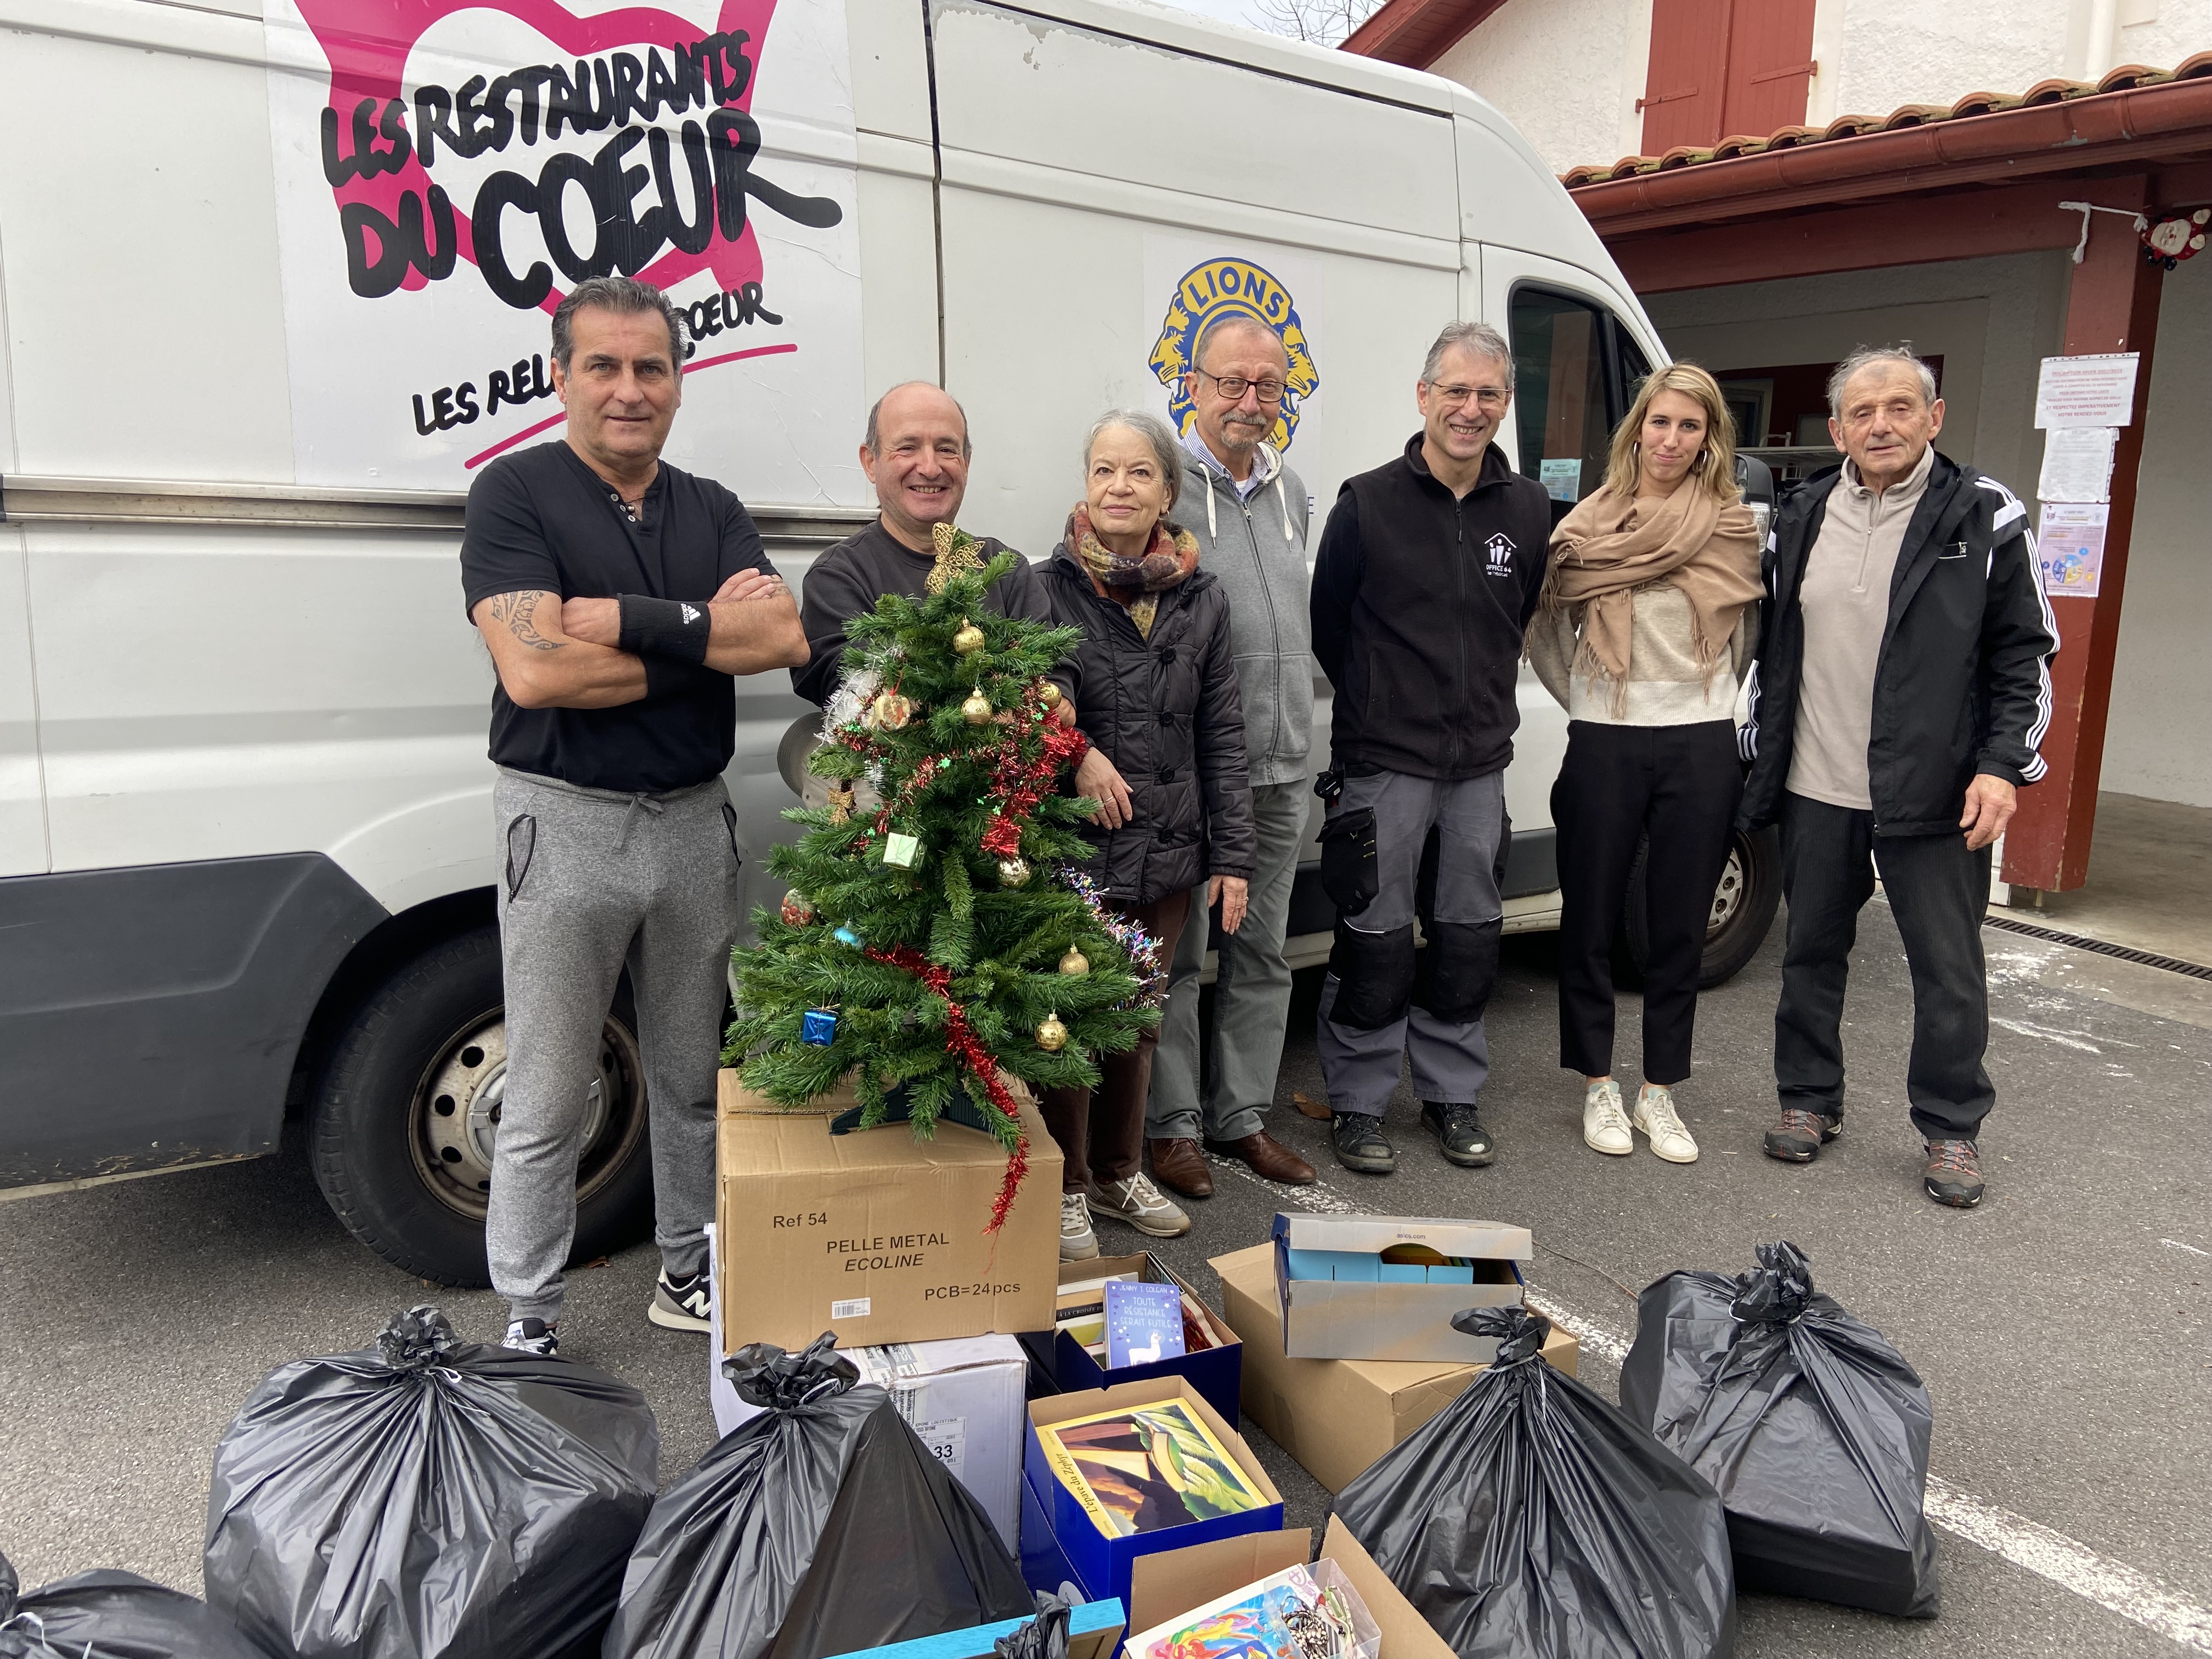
(1665, 685)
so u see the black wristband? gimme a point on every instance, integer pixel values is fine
(664, 628)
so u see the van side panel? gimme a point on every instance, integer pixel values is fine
(151, 1017)
(22, 803)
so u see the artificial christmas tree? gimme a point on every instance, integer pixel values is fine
(931, 939)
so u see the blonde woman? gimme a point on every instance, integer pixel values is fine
(1646, 626)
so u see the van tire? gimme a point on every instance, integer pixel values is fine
(1749, 893)
(369, 1124)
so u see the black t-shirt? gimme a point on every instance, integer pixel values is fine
(848, 579)
(539, 519)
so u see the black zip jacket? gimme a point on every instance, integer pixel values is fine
(1419, 602)
(1166, 712)
(1963, 682)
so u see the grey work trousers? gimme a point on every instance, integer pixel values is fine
(1448, 1056)
(592, 880)
(1251, 994)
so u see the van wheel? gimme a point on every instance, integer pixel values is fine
(400, 1134)
(1744, 904)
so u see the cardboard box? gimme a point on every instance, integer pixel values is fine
(1214, 1372)
(875, 1236)
(1059, 1539)
(1094, 1631)
(963, 1397)
(1354, 1313)
(1335, 1416)
(1171, 1584)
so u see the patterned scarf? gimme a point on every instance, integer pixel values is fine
(1135, 584)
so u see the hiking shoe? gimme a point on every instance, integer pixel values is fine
(1077, 1241)
(1798, 1137)
(681, 1304)
(1605, 1126)
(1459, 1132)
(1954, 1175)
(1360, 1143)
(534, 1336)
(1656, 1116)
(1140, 1204)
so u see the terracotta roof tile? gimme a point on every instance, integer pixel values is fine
(2052, 91)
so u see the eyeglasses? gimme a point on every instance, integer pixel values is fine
(1489, 397)
(1234, 386)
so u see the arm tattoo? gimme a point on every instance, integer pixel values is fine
(518, 612)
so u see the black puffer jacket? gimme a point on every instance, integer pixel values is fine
(1166, 712)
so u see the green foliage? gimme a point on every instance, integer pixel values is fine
(1001, 944)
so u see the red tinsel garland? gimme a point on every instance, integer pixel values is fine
(1021, 785)
(964, 1045)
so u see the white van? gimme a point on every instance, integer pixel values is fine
(274, 276)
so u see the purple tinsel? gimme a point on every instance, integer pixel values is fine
(1144, 951)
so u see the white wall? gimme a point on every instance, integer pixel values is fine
(1566, 73)
(2158, 742)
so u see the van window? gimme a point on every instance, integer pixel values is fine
(1561, 395)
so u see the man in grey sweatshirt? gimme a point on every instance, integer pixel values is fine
(1248, 510)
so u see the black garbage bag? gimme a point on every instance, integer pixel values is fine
(1812, 1426)
(428, 1499)
(1044, 1637)
(1530, 1520)
(110, 1615)
(821, 1526)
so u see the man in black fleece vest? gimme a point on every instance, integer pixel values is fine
(1428, 573)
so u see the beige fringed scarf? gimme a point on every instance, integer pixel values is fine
(1138, 583)
(1608, 547)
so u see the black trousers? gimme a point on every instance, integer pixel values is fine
(1679, 786)
(1938, 892)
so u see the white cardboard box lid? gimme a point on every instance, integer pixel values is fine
(1447, 1236)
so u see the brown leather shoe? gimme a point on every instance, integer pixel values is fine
(1178, 1165)
(1268, 1158)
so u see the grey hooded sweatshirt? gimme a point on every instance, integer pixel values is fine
(1256, 548)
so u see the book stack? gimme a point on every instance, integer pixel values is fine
(1144, 1468)
(1304, 1613)
(1167, 1311)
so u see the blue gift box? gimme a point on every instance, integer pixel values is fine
(1060, 1541)
(1217, 1372)
(1093, 1631)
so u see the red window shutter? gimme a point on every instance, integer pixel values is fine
(1770, 69)
(1685, 86)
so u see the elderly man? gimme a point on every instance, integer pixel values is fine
(1902, 686)
(617, 595)
(915, 454)
(1430, 568)
(1252, 536)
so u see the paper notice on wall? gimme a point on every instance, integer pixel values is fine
(2070, 548)
(1562, 479)
(2093, 391)
(2077, 463)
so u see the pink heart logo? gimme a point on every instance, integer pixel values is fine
(627, 67)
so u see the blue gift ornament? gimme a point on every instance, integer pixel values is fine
(845, 935)
(818, 1026)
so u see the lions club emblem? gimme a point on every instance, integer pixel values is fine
(1208, 291)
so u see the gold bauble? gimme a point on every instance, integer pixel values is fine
(1051, 1034)
(1074, 962)
(892, 711)
(967, 638)
(975, 708)
(1013, 871)
(1049, 694)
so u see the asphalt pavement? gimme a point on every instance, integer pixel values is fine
(2062, 1327)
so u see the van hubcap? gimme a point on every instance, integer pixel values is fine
(1728, 897)
(453, 1123)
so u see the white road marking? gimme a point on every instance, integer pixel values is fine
(2049, 1555)
(2068, 1039)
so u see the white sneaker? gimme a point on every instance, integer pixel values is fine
(1140, 1204)
(1605, 1126)
(1077, 1241)
(1656, 1116)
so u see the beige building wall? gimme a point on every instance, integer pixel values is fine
(1566, 73)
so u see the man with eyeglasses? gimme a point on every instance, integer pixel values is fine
(1252, 536)
(1429, 570)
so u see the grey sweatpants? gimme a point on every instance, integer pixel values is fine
(1450, 1058)
(1251, 993)
(592, 880)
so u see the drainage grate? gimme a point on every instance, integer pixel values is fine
(2148, 959)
